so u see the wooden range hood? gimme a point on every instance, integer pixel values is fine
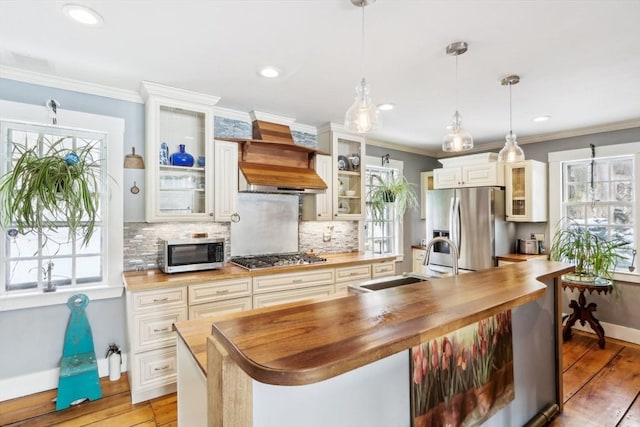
(272, 163)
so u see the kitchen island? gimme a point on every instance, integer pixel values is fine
(344, 361)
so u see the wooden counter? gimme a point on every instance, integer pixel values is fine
(154, 279)
(302, 343)
(520, 257)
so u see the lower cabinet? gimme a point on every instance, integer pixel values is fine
(418, 259)
(151, 314)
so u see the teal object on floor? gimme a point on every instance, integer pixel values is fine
(79, 377)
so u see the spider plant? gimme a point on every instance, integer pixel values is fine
(593, 256)
(46, 191)
(396, 190)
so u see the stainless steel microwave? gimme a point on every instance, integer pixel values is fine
(192, 254)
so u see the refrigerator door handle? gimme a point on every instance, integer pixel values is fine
(456, 237)
(452, 216)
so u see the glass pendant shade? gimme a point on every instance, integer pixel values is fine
(511, 152)
(458, 139)
(363, 115)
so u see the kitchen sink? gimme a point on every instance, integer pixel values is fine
(387, 282)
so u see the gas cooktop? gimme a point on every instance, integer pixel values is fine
(256, 262)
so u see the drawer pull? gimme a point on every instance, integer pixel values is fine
(162, 368)
(297, 281)
(161, 299)
(222, 291)
(161, 330)
(353, 273)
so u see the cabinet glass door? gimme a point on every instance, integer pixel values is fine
(349, 177)
(181, 174)
(518, 193)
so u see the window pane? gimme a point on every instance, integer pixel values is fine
(23, 274)
(622, 215)
(89, 269)
(57, 242)
(622, 191)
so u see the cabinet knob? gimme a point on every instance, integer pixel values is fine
(235, 217)
(210, 213)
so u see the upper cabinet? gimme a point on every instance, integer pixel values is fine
(346, 180)
(426, 183)
(225, 176)
(526, 191)
(319, 207)
(180, 151)
(469, 175)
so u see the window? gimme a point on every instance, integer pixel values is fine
(385, 236)
(39, 261)
(598, 193)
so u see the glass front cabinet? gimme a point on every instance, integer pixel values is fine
(347, 154)
(526, 191)
(179, 154)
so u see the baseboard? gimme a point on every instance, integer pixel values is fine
(23, 385)
(622, 333)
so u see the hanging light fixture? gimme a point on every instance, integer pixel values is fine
(511, 152)
(458, 139)
(363, 115)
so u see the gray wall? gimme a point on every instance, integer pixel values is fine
(414, 227)
(34, 336)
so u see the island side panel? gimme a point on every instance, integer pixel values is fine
(229, 390)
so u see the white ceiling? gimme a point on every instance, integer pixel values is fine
(579, 61)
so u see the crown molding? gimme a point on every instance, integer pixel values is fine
(399, 147)
(272, 118)
(33, 77)
(228, 113)
(151, 88)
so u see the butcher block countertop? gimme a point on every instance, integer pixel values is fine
(521, 257)
(153, 279)
(303, 343)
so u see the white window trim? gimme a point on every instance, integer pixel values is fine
(112, 285)
(555, 189)
(396, 164)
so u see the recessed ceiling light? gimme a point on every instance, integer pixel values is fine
(541, 118)
(83, 14)
(269, 72)
(388, 106)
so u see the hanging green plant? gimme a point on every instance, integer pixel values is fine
(58, 188)
(396, 190)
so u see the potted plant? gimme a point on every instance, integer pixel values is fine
(396, 190)
(58, 187)
(594, 257)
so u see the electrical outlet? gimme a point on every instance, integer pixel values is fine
(538, 236)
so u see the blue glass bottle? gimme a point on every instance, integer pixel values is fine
(182, 158)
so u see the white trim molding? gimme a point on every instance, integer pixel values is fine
(611, 330)
(33, 77)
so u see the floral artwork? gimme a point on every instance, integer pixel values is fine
(463, 378)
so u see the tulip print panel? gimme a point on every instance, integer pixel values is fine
(463, 378)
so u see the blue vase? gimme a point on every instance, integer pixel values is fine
(182, 158)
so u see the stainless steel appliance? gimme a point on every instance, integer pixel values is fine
(257, 262)
(529, 247)
(473, 218)
(192, 254)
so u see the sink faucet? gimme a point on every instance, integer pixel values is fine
(454, 253)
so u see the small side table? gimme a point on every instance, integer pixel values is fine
(583, 311)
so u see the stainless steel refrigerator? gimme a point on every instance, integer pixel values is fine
(473, 218)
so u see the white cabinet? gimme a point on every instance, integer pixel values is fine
(226, 181)
(384, 268)
(319, 207)
(178, 118)
(418, 259)
(219, 297)
(471, 175)
(283, 297)
(347, 177)
(150, 316)
(426, 183)
(352, 275)
(526, 191)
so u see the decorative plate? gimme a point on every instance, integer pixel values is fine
(355, 161)
(343, 163)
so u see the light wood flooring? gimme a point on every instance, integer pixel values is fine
(601, 388)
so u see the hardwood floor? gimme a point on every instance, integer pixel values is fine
(601, 388)
(114, 409)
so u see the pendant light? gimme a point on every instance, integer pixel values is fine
(458, 139)
(511, 152)
(363, 115)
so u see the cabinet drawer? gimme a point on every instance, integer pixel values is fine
(159, 298)
(280, 282)
(274, 298)
(359, 272)
(219, 307)
(155, 368)
(153, 330)
(219, 290)
(384, 269)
